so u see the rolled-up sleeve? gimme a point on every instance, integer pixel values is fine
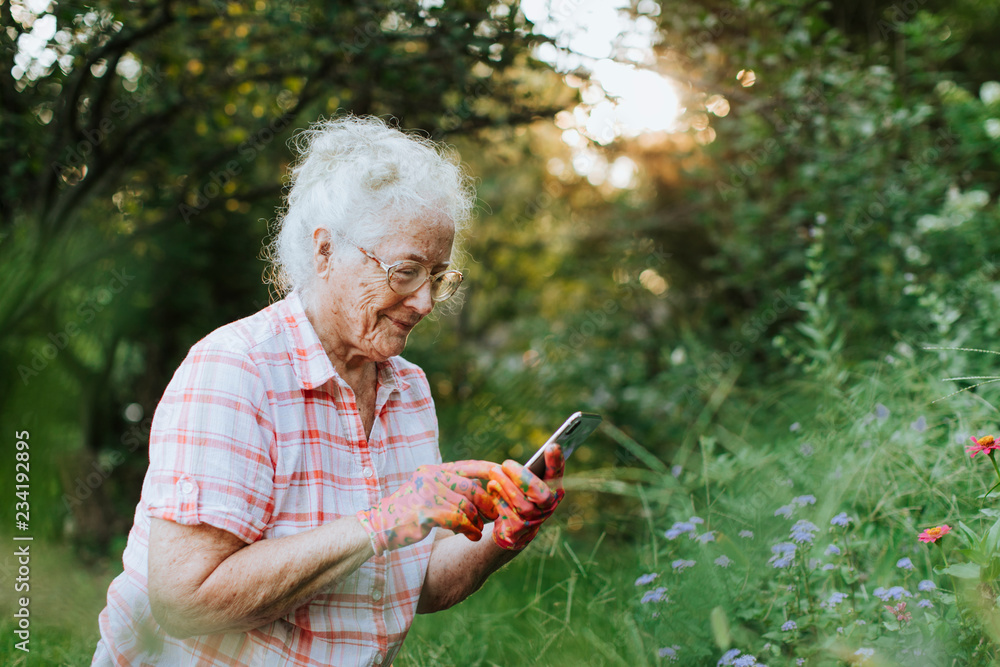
(211, 445)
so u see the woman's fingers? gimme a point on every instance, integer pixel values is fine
(529, 485)
(510, 490)
(473, 491)
(554, 464)
(454, 511)
(471, 469)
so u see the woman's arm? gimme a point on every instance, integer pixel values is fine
(203, 580)
(458, 568)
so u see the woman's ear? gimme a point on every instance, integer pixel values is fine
(322, 251)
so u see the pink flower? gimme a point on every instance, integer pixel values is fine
(934, 534)
(985, 444)
(899, 611)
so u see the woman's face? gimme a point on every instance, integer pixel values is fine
(358, 314)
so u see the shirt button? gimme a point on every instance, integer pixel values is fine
(378, 658)
(367, 472)
(187, 487)
(376, 595)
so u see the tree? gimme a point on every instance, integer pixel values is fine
(146, 150)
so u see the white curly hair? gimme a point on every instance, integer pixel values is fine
(354, 174)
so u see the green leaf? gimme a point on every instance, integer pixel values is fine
(992, 571)
(974, 539)
(992, 538)
(962, 570)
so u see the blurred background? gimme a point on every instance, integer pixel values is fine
(706, 220)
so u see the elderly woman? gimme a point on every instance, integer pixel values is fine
(296, 510)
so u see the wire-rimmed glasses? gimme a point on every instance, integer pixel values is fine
(407, 276)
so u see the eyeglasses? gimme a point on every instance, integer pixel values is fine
(407, 277)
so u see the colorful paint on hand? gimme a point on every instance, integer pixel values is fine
(449, 495)
(523, 500)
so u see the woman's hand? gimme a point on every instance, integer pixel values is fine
(524, 502)
(448, 495)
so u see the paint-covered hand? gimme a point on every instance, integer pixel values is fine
(524, 501)
(449, 495)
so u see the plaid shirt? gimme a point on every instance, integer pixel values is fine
(256, 434)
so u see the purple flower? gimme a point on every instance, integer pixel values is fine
(655, 595)
(920, 425)
(646, 579)
(925, 604)
(833, 550)
(829, 566)
(728, 657)
(676, 471)
(800, 661)
(803, 531)
(680, 564)
(834, 599)
(783, 548)
(696, 520)
(840, 520)
(926, 585)
(881, 412)
(705, 538)
(679, 529)
(795, 427)
(783, 555)
(746, 660)
(806, 449)
(904, 563)
(894, 593)
(785, 511)
(789, 626)
(669, 652)
(723, 561)
(746, 534)
(802, 501)
(781, 562)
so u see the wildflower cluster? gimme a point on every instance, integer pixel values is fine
(807, 581)
(815, 588)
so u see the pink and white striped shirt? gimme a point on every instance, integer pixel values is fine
(256, 434)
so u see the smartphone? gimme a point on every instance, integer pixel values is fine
(574, 430)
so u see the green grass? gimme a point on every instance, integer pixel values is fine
(66, 598)
(553, 605)
(571, 598)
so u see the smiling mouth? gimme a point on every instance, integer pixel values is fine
(402, 325)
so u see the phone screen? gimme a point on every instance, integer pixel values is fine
(574, 431)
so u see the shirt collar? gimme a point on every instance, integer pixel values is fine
(310, 363)
(389, 375)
